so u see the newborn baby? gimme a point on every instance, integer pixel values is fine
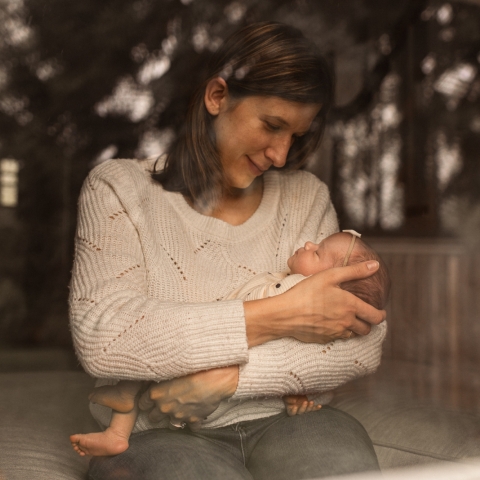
(337, 250)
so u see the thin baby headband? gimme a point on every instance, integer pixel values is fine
(352, 243)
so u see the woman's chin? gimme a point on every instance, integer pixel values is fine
(244, 184)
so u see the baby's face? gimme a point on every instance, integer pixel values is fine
(312, 258)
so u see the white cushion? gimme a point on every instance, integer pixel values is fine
(38, 412)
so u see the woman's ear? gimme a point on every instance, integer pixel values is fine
(216, 95)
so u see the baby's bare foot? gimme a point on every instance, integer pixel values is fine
(98, 444)
(119, 397)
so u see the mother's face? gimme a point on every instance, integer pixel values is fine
(255, 132)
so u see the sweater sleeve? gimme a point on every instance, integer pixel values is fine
(119, 330)
(287, 366)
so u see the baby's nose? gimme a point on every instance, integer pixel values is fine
(309, 245)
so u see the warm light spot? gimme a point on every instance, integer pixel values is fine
(129, 99)
(9, 182)
(448, 160)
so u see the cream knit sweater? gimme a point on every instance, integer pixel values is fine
(150, 274)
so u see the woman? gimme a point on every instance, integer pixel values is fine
(157, 252)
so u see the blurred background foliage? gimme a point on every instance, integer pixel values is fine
(85, 81)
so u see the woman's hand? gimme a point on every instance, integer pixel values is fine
(316, 310)
(192, 398)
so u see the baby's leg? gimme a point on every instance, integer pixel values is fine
(112, 441)
(119, 397)
(298, 404)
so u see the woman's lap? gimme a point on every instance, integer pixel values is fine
(169, 455)
(317, 444)
(314, 445)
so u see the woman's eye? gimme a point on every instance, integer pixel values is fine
(273, 128)
(298, 136)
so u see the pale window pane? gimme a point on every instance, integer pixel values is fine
(9, 182)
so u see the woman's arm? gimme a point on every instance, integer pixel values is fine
(287, 366)
(120, 331)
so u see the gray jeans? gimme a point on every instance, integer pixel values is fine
(313, 445)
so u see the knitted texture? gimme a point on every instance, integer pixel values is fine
(151, 274)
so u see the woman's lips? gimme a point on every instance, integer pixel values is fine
(255, 168)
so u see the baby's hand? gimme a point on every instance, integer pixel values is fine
(298, 404)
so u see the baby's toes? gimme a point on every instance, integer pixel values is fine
(303, 408)
(292, 410)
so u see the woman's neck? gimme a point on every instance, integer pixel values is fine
(237, 205)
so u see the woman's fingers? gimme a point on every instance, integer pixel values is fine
(190, 399)
(357, 327)
(156, 416)
(367, 313)
(145, 402)
(353, 272)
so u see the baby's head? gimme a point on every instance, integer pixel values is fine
(331, 252)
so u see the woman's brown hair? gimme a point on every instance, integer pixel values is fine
(265, 59)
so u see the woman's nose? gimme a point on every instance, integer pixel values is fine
(277, 152)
